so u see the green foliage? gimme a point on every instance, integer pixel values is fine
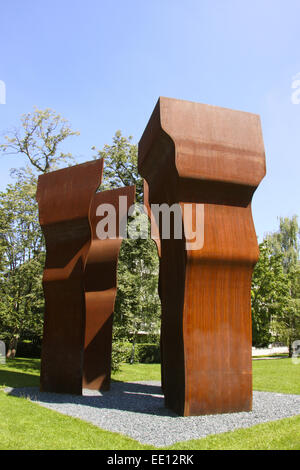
(121, 352)
(30, 349)
(147, 353)
(286, 241)
(124, 352)
(276, 287)
(286, 322)
(22, 252)
(120, 165)
(22, 247)
(137, 306)
(269, 294)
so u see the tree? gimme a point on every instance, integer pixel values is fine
(120, 165)
(286, 322)
(286, 241)
(21, 242)
(269, 293)
(38, 140)
(137, 305)
(22, 247)
(276, 287)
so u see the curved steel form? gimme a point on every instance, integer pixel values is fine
(79, 279)
(101, 289)
(212, 160)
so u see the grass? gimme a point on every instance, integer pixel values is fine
(283, 434)
(136, 372)
(276, 375)
(20, 373)
(26, 425)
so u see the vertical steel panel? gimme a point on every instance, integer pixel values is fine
(200, 154)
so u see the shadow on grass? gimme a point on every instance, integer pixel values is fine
(26, 364)
(9, 378)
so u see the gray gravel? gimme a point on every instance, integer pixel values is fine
(136, 409)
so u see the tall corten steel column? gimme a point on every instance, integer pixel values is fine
(80, 278)
(212, 159)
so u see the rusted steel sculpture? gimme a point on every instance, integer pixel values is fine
(79, 279)
(100, 290)
(212, 157)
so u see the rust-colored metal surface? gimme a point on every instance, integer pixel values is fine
(64, 199)
(101, 289)
(212, 159)
(79, 279)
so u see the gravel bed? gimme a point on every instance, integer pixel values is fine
(136, 409)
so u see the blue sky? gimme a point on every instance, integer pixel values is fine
(103, 64)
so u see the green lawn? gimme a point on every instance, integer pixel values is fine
(20, 373)
(273, 375)
(283, 434)
(26, 425)
(276, 375)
